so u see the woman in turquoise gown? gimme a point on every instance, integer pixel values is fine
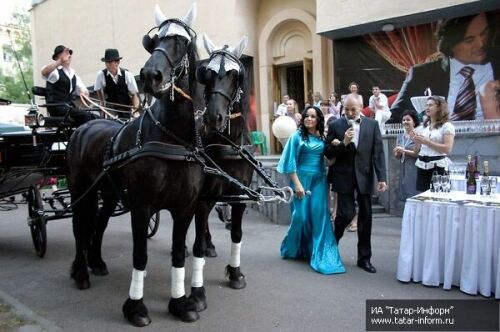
(310, 234)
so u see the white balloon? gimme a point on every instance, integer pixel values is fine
(283, 127)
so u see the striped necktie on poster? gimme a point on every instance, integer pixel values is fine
(465, 105)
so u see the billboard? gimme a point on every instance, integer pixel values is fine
(457, 58)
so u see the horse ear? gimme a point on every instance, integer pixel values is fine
(159, 16)
(149, 43)
(209, 46)
(190, 16)
(238, 49)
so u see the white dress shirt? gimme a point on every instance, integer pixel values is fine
(100, 82)
(482, 74)
(54, 77)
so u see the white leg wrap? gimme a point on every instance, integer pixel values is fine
(197, 277)
(234, 261)
(177, 289)
(137, 284)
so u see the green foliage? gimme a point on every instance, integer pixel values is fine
(12, 85)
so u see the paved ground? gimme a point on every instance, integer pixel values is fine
(281, 295)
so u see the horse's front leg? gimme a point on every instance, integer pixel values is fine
(236, 278)
(180, 306)
(202, 211)
(134, 308)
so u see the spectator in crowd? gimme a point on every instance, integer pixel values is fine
(62, 84)
(292, 110)
(354, 90)
(116, 85)
(358, 157)
(469, 66)
(325, 109)
(335, 105)
(407, 155)
(434, 141)
(379, 105)
(317, 99)
(310, 234)
(282, 108)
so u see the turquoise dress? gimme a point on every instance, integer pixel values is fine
(310, 234)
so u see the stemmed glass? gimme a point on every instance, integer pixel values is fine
(435, 182)
(493, 186)
(445, 183)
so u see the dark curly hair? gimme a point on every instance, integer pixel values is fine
(320, 126)
(413, 114)
(452, 31)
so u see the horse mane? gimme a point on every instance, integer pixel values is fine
(193, 59)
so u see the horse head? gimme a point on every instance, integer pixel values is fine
(172, 49)
(223, 75)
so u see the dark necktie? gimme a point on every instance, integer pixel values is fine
(465, 105)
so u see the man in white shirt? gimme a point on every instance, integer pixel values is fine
(282, 108)
(116, 86)
(62, 85)
(379, 105)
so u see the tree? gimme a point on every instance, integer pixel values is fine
(13, 85)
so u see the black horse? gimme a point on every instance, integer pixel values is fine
(226, 99)
(148, 164)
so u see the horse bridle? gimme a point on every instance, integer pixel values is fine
(237, 92)
(182, 65)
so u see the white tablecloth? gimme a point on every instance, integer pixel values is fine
(451, 243)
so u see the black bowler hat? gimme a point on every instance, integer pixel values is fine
(111, 54)
(58, 50)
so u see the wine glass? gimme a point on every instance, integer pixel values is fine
(493, 186)
(435, 182)
(445, 183)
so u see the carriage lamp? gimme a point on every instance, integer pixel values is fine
(283, 127)
(34, 119)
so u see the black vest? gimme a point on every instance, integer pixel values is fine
(116, 93)
(59, 92)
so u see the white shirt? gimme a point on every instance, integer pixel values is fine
(281, 110)
(382, 101)
(435, 135)
(54, 77)
(482, 74)
(100, 82)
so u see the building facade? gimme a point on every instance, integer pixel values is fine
(292, 43)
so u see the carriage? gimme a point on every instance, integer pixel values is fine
(33, 171)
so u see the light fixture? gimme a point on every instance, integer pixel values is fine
(388, 27)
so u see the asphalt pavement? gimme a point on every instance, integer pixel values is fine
(281, 295)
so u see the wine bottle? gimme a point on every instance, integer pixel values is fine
(485, 180)
(471, 182)
(476, 167)
(467, 169)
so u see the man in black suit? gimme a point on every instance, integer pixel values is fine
(356, 145)
(464, 42)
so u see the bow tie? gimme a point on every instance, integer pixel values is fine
(358, 120)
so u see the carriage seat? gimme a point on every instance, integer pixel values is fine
(53, 121)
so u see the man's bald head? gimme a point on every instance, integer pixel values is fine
(352, 106)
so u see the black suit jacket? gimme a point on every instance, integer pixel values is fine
(355, 166)
(434, 75)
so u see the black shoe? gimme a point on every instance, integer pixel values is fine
(367, 266)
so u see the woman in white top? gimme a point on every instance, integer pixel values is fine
(434, 141)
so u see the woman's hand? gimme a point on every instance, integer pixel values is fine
(299, 191)
(420, 139)
(398, 151)
(335, 142)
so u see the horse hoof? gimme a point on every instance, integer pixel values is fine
(183, 309)
(236, 278)
(198, 299)
(238, 284)
(82, 284)
(210, 252)
(100, 271)
(136, 312)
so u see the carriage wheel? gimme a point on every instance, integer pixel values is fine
(154, 223)
(37, 221)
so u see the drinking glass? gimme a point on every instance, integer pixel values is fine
(493, 185)
(445, 183)
(436, 182)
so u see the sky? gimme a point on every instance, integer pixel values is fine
(7, 7)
